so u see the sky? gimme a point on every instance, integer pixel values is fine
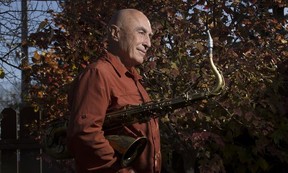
(10, 20)
(10, 39)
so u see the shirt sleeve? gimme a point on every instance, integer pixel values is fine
(89, 101)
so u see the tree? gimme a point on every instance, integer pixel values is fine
(11, 37)
(243, 130)
(10, 98)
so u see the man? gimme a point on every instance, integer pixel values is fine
(107, 85)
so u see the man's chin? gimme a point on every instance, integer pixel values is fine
(139, 60)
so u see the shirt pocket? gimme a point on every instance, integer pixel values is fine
(128, 98)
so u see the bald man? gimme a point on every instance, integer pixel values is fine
(107, 85)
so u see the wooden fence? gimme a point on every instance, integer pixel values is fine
(19, 151)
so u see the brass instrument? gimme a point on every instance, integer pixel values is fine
(131, 148)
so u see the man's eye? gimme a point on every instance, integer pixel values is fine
(142, 32)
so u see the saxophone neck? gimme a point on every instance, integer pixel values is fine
(220, 83)
(210, 43)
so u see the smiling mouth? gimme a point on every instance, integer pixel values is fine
(143, 52)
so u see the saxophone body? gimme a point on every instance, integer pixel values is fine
(55, 144)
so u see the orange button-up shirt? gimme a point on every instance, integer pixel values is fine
(105, 86)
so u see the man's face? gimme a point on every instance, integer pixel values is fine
(134, 40)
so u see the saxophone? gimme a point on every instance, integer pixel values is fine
(130, 148)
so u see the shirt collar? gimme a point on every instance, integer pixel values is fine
(120, 68)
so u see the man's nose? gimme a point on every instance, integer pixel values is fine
(147, 42)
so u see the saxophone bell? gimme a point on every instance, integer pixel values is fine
(130, 148)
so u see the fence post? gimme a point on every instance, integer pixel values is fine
(8, 134)
(29, 157)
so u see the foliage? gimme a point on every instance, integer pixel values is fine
(13, 33)
(243, 130)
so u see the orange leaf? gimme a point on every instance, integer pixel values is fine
(36, 58)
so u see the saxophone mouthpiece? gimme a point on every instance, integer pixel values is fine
(210, 40)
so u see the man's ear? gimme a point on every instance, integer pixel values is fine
(114, 31)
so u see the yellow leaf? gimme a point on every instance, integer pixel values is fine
(2, 73)
(174, 65)
(36, 58)
(36, 107)
(284, 41)
(86, 58)
(74, 67)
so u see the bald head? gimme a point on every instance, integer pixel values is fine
(129, 36)
(124, 16)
